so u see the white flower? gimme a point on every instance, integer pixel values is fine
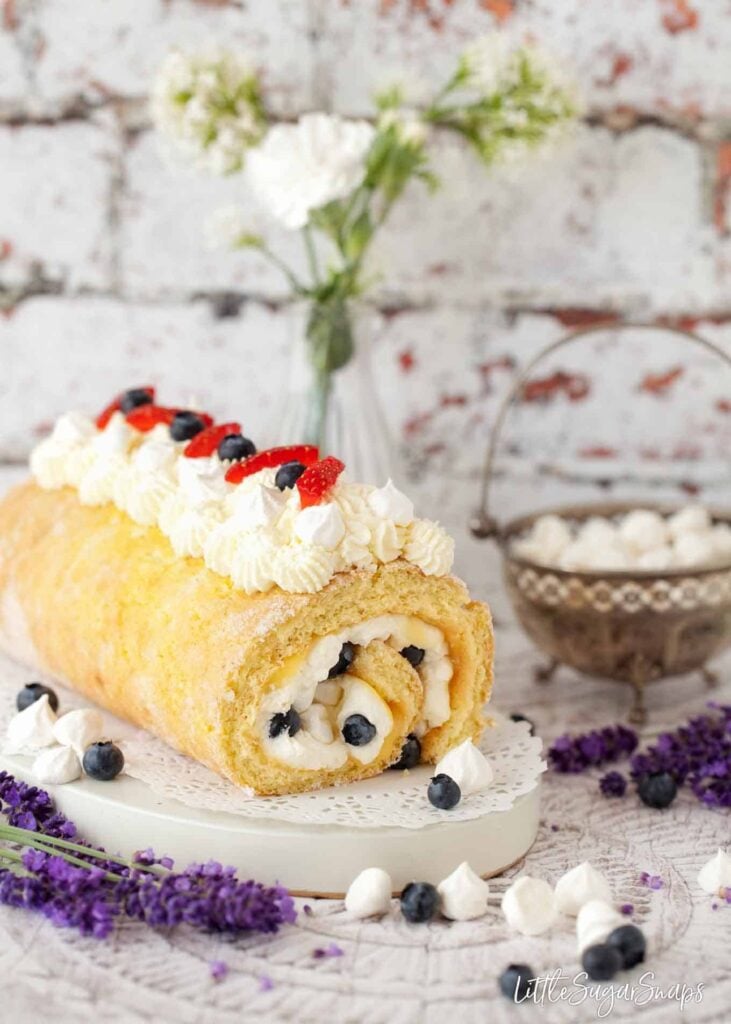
(409, 125)
(208, 105)
(489, 62)
(301, 167)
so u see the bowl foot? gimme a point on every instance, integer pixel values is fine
(710, 678)
(545, 673)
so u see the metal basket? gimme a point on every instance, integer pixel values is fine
(631, 626)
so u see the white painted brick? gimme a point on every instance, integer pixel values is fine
(445, 402)
(13, 83)
(604, 220)
(55, 193)
(163, 248)
(620, 51)
(61, 353)
(93, 48)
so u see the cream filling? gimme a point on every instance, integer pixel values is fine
(324, 704)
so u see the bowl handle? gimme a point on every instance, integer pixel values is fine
(483, 524)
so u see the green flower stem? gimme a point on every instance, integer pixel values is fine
(282, 266)
(50, 844)
(311, 254)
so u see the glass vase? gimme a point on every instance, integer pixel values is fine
(336, 406)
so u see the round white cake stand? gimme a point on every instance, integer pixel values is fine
(312, 860)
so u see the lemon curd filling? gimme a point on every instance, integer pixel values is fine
(315, 736)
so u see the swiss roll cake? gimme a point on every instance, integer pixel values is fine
(257, 610)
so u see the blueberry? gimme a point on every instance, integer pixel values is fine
(517, 717)
(347, 653)
(410, 754)
(414, 655)
(444, 792)
(517, 982)
(288, 474)
(601, 962)
(234, 447)
(419, 902)
(289, 720)
(32, 692)
(630, 942)
(357, 730)
(185, 425)
(657, 789)
(133, 398)
(103, 761)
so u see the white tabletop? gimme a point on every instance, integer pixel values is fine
(396, 973)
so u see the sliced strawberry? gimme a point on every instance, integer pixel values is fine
(207, 420)
(318, 480)
(104, 417)
(145, 417)
(307, 454)
(207, 442)
(106, 414)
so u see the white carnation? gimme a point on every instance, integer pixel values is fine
(301, 167)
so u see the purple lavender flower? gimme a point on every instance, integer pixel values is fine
(697, 754)
(572, 755)
(265, 983)
(613, 784)
(88, 890)
(627, 909)
(654, 882)
(218, 969)
(333, 950)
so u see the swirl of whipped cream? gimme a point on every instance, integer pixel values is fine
(202, 481)
(429, 547)
(386, 542)
(303, 568)
(247, 558)
(187, 528)
(63, 456)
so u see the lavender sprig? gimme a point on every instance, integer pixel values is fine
(574, 754)
(76, 885)
(697, 754)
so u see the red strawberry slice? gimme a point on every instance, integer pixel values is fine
(145, 417)
(207, 442)
(318, 480)
(307, 454)
(106, 414)
(104, 417)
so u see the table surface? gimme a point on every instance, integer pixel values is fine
(396, 973)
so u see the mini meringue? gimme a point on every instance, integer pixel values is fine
(390, 503)
(578, 886)
(369, 894)
(56, 766)
(32, 728)
(464, 894)
(642, 530)
(529, 905)
(320, 524)
(595, 921)
(468, 766)
(691, 519)
(716, 873)
(259, 507)
(79, 729)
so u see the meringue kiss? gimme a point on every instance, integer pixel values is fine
(463, 894)
(578, 886)
(716, 873)
(529, 905)
(369, 894)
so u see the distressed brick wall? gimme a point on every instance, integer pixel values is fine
(104, 277)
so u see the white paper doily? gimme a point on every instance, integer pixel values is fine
(393, 799)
